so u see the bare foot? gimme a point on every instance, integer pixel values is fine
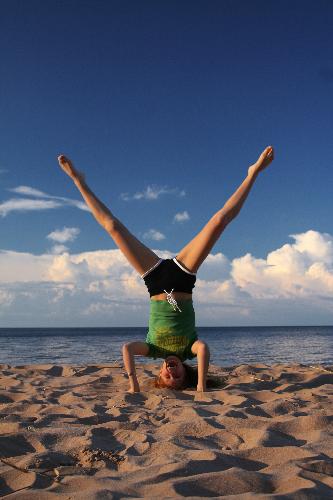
(266, 157)
(69, 169)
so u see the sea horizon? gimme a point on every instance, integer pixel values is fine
(145, 327)
(228, 345)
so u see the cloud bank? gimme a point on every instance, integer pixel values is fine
(292, 285)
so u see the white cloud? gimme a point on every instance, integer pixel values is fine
(58, 249)
(153, 234)
(216, 266)
(181, 216)
(152, 193)
(47, 202)
(64, 269)
(75, 203)
(29, 191)
(64, 235)
(315, 245)
(302, 269)
(25, 204)
(22, 267)
(293, 284)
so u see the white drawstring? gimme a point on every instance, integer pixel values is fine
(172, 301)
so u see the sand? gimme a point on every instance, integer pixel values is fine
(73, 432)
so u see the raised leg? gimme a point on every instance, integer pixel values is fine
(196, 251)
(137, 254)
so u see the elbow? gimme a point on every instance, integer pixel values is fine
(126, 348)
(203, 350)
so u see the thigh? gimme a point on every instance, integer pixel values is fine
(196, 251)
(138, 255)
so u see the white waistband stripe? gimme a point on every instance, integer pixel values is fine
(151, 269)
(181, 267)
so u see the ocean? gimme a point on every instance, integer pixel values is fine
(228, 345)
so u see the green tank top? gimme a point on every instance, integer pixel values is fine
(171, 332)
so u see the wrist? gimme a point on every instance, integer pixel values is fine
(134, 384)
(77, 181)
(132, 378)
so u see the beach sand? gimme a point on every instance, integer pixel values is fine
(73, 432)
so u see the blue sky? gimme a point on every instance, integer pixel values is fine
(178, 96)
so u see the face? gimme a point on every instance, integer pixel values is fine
(172, 373)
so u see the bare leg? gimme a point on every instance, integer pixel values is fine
(137, 254)
(195, 252)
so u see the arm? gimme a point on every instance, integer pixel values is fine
(236, 201)
(129, 351)
(201, 349)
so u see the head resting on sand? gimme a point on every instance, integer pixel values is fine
(179, 376)
(173, 374)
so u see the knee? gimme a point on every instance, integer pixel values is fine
(220, 221)
(111, 225)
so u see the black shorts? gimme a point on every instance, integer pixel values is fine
(167, 275)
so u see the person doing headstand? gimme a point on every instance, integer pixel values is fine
(170, 282)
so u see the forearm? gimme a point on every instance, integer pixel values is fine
(203, 365)
(233, 206)
(129, 364)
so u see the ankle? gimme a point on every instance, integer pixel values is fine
(253, 170)
(78, 179)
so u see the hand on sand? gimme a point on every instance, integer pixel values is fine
(69, 169)
(266, 157)
(133, 390)
(134, 386)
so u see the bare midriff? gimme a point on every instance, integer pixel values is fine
(176, 295)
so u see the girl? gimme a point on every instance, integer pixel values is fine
(170, 282)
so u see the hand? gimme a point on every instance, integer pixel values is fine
(266, 157)
(134, 384)
(68, 167)
(134, 387)
(133, 391)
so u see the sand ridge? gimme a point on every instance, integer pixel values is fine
(73, 432)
